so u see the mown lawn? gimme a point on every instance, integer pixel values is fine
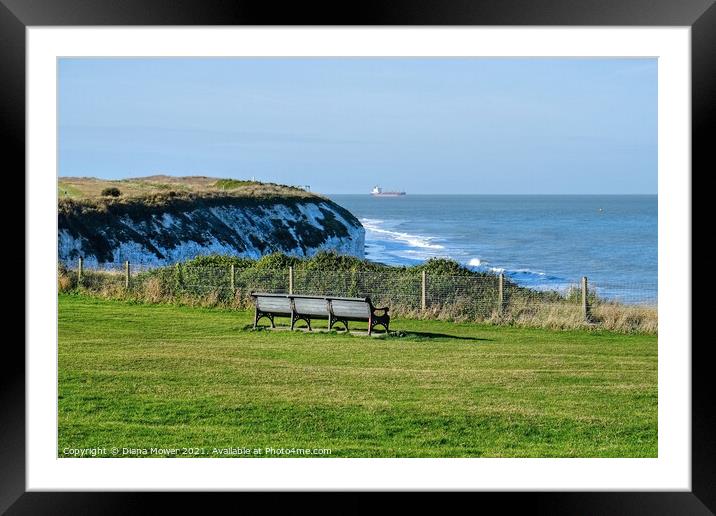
(160, 376)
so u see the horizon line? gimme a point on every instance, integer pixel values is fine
(509, 193)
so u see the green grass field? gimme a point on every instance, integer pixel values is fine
(201, 381)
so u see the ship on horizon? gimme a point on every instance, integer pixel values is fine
(377, 191)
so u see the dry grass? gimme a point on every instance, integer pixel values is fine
(153, 291)
(627, 318)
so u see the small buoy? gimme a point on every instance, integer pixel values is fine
(601, 209)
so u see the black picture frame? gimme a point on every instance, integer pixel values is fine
(700, 15)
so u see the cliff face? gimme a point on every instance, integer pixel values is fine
(177, 229)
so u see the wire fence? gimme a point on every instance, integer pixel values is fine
(408, 293)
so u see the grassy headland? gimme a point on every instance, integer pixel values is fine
(91, 188)
(139, 196)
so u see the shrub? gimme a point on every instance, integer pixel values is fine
(446, 266)
(112, 191)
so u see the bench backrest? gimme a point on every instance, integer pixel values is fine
(350, 308)
(281, 304)
(311, 306)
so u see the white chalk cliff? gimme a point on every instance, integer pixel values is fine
(181, 230)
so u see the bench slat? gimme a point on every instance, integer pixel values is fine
(311, 306)
(345, 308)
(274, 304)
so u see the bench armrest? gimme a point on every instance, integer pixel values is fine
(381, 309)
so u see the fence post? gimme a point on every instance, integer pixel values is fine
(585, 300)
(290, 280)
(79, 271)
(500, 293)
(423, 292)
(233, 286)
(126, 274)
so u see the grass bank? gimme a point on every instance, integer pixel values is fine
(143, 376)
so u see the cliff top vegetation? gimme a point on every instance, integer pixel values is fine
(89, 194)
(159, 186)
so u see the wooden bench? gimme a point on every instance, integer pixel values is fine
(333, 309)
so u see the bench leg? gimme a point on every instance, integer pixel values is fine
(383, 321)
(259, 315)
(296, 317)
(332, 322)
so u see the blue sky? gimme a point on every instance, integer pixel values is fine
(444, 125)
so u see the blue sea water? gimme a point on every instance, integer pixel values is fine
(541, 241)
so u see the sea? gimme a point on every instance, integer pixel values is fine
(546, 242)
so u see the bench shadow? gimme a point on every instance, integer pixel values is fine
(430, 335)
(399, 334)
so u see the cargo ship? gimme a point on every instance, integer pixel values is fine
(377, 191)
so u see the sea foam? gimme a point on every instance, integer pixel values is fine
(419, 241)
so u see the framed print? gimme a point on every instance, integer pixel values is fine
(420, 249)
